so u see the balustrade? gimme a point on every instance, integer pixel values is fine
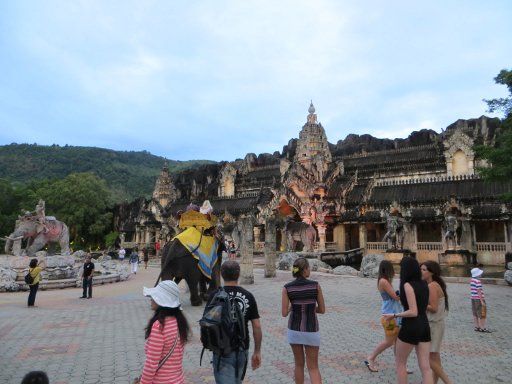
(376, 245)
(491, 247)
(429, 246)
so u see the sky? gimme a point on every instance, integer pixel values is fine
(219, 79)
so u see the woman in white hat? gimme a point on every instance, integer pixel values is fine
(166, 334)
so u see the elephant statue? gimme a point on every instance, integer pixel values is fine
(178, 264)
(37, 233)
(300, 231)
(451, 231)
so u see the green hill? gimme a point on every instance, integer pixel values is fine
(128, 174)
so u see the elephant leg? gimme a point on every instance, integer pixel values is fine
(64, 242)
(203, 289)
(193, 284)
(38, 244)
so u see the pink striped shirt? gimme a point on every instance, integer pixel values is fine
(157, 346)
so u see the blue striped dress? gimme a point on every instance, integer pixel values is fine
(302, 321)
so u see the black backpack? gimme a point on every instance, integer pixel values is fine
(28, 278)
(222, 326)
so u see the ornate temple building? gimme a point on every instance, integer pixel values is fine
(361, 193)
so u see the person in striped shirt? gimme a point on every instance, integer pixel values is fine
(478, 301)
(166, 335)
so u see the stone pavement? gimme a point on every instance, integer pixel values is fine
(102, 340)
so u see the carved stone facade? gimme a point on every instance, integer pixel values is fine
(360, 193)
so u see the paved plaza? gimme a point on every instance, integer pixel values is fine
(102, 340)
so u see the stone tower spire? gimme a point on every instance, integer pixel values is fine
(165, 191)
(312, 146)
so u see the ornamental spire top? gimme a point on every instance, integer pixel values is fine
(311, 108)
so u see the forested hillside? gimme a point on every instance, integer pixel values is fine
(128, 174)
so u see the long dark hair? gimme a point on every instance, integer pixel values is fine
(161, 313)
(435, 269)
(409, 271)
(386, 271)
(33, 263)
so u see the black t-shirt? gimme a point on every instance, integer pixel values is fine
(247, 304)
(88, 268)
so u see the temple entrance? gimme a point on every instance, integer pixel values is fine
(351, 236)
(429, 232)
(489, 232)
(375, 232)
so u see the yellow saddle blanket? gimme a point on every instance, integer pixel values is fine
(203, 248)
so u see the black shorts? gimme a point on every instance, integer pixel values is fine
(414, 330)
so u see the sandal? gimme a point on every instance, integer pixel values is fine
(478, 329)
(485, 330)
(369, 366)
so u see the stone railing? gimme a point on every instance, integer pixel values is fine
(491, 247)
(429, 246)
(430, 179)
(376, 246)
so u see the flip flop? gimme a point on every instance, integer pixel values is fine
(478, 329)
(485, 330)
(370, 368)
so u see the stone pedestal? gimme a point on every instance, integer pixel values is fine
(396, 255)
(457, 257)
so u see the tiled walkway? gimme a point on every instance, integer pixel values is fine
(101, 340)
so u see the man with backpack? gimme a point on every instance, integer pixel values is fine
(224, 328)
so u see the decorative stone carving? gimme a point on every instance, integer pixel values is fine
(459, 154)
(227, 181)
(395, 228)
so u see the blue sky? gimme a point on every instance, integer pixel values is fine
(218, 79)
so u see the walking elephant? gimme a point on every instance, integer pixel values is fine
(178, 264)
(38, 233)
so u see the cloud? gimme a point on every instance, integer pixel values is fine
(220, 79)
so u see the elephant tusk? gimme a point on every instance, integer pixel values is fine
(12, 238)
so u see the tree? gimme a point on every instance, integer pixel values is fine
(500, 155)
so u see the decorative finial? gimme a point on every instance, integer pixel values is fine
(311, 109)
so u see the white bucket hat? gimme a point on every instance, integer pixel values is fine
(165, 294)
(476, 272)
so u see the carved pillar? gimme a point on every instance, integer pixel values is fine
(148, 236)
(136, 235)
(284, 241)
(270, 247)
(246, 250)
(362, 236)
(321, 237)
(410, 237)
(256, 233)
(339, 236)
(507, 236)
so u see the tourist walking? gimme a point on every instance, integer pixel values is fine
(87, 274)
(146, 257)
(122, 253)
(478, 305)
(34, 271)
(230, 369)
(167, 333)
(232, 250)
(134, 260)
(415, 330)
(390, 304)
(302, 299)
(436, 312)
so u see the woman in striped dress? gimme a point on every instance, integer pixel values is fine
(302, 299)
(166, 335)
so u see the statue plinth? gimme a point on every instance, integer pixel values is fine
(396, 255)
(457, 257)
